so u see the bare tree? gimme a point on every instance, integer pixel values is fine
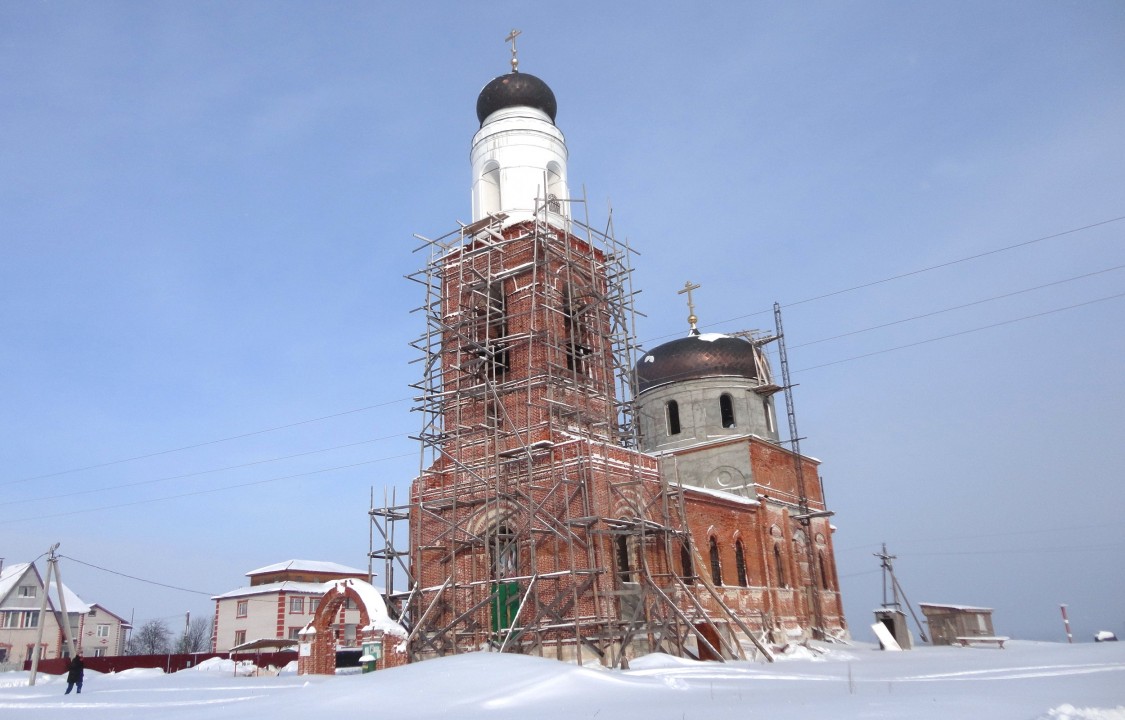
(152, 638)
(196, 636)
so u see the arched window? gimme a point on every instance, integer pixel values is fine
(770, 425)
(577, 337)
(497, 330)
(740, 563)
(688, 573)
(490, 188)
(716, 567)
(503, 552)
(823, 572)
(624, 566)
(726, 409)
(672, 410)
(555, 188)
(780, 567)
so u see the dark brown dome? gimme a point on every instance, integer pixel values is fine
(516, 89)
(696, 356)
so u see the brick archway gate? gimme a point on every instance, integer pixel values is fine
(318, 639)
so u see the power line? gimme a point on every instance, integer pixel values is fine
(959, 307)
(204, 444)
(962, 536)
(919, 271)
(207, 492)
(814, 367)
(791, 304)
(134, 577)
(196, 474)
(1016, 551)
(962, 332)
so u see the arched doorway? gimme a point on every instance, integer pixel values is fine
(318, 639)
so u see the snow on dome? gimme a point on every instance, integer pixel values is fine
(697, 356)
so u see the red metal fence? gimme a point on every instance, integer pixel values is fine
(167, 663)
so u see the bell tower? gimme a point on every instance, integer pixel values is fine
(536, 523)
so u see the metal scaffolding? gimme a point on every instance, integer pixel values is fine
(535, 524)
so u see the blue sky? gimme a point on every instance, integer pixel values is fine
(207, 212)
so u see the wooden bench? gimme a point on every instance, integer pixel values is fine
(983, 640)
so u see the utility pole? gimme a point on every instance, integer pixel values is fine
(896, 590)
(63, 622)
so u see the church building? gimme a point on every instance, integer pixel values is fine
(579, 497)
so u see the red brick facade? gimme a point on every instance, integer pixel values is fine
(536, 529)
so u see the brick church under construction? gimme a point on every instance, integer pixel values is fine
(580, 497)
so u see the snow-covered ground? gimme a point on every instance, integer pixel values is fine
(1026, 680)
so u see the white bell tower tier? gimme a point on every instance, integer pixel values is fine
(518, 155)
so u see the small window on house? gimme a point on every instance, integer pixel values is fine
(27, 591)
(296, 605)
(295, 632)
(716, 567)
(672, 410)
(100, 651)
(688, 571)
(103, 631)
(779, 566)
(239, 637)
(726, 409)
(740, 564)
(241, 609)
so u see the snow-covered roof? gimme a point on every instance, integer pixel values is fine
(376, 608)
(73, 602)
(318, 566)
(721, 494)
(308, 588)
(966, 608)
(11, 576)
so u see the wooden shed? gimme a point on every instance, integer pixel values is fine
(953, 624)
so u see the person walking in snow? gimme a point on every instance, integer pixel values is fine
(74, 675)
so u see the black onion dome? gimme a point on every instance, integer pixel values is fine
(513, 90)
(696, 356)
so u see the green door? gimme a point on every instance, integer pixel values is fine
(505, 604)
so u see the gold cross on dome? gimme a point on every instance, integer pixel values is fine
(512, 39)
(692, 319)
